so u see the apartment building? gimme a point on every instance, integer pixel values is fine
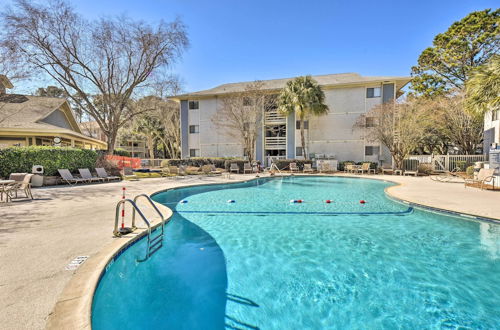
(348, 96)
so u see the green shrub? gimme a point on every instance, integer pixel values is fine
(470, 171)
(461, 164)
(121, 152)
(21, 159)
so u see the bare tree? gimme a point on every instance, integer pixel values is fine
(463, 129)
(399, 126)
(100, 64)
(240, 115)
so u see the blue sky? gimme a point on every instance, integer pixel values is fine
(247, 40)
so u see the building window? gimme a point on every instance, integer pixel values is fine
(194, 152)
(372, 150)
(494, 115)
(306, 124)
(373, 92)
(370, 122)
(298, 152)
(194, 129)
(194, 105)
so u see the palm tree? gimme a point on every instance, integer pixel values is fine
(483, 88)
(304, 97)
(148, 127)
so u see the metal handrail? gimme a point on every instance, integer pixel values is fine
(152, 204)
(135, 209)
(116, 231)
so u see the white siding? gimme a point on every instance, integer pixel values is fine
(332, 134)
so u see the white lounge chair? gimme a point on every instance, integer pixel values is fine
(247, 168)
(485, 176)
(234, 168)
(307, 168)
(293, 167)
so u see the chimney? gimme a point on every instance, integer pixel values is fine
(4, 84)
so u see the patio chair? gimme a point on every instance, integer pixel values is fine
(351, 168)
(247, 167)
(67, 177)
(348, 167)
(128, 173)
(293, 167)
(234, 168)
(85, 173)
(307, 168)
(485, 176)
(20, 185)
(101, 172)
(365, 167)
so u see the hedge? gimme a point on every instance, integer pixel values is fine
(21, 159)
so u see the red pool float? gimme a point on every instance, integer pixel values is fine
(362, 201)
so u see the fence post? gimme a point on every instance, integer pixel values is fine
(447, 163)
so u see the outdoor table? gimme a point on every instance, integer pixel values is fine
(4, 183)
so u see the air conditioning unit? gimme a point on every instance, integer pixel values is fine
(37, 169)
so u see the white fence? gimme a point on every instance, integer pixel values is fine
(442, 163)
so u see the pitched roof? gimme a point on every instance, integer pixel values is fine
(25, 111)
(324, 80)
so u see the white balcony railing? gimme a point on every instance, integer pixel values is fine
(273, 117)
(274, 143)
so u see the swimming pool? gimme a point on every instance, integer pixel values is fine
(264, 262)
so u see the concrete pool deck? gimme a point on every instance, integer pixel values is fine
(39, 238)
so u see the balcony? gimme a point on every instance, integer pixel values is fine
(273, 117)
(275, 143)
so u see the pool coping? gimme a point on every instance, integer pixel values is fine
(73, 308)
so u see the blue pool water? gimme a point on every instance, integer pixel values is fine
(308, 267)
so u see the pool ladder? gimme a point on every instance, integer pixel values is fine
(154, 242)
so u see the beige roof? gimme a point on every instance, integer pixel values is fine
(329, 80)
(26, 112)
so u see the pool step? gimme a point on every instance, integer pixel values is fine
(155, 244)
